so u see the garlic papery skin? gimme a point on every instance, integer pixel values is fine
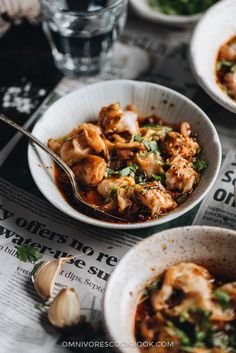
(65, 309)
(45, 277)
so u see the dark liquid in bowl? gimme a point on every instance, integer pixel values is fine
(91, 196)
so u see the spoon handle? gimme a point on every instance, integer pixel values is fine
(59, 161)
(34, 139)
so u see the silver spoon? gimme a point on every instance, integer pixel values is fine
(61, 164)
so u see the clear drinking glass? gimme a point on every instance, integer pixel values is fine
(82, 33)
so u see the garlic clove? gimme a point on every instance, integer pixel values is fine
(65, 309)
(45, 276)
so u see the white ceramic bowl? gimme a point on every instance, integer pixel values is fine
(84, 105)
(216, 27)
(209, 246)
(142, 9)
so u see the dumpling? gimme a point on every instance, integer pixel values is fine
(93, 137)
(79, 143)
(150, 163)
(72, 152)
(175, 144)
(228, 52)
(113, 119)
(155, 197)
(230, 82)
(180, 176)
(128, 122)
(192, 280)
(91, 170)
(227, 314)
(118, 191)
(124, 153)
(55, 145)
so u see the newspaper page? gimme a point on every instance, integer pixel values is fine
(219, 207)
(26, 219)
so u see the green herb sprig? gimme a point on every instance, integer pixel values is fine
(28, 253)
(200, 165)
(129, 171)
(223, 298)
(181, 7)
(151, 146)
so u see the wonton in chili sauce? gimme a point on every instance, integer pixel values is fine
(130, 166)
(187, 309)
(226, 68)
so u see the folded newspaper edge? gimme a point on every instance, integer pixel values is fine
(219, 206)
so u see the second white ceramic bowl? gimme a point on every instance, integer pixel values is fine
(216, 27)
(212, 247)
(83, 105)
(142, 8)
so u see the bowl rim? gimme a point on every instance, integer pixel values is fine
(215, 92)
(158, 16)
(106, 317)
(134, 225)
(88, 14)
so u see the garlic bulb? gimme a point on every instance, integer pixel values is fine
(65, 308)
(45, 276)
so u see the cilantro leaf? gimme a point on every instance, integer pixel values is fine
(129, 171)
(233, 68)
(181, 7)
(204, 314)
(223, 63)
(152, 125)
(223, 298)
(137, 138)
(159, 177)
(151, 146)
(109, 172)
(28, 253)
(140, 177)
(200, 165)
(184, 338)
(67, 138)
(160, 128)
(184, 316)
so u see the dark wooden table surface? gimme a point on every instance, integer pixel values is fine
(25, 58)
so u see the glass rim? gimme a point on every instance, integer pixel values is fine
(114, 4)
